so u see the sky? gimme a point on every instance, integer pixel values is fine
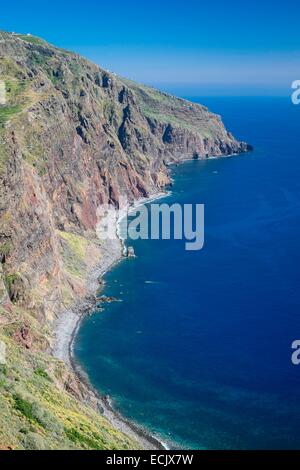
(189, 47)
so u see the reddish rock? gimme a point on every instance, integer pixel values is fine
(24, 337)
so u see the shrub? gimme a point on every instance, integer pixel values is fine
(36, 414)
(42, 373)
(46, 419)
(5, 250)
(79, 438)
(8, 112)
(3, 370)
(33, 441)
(24, 407)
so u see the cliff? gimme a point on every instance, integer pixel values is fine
(72, 136)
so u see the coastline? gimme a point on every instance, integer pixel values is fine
(68, 324)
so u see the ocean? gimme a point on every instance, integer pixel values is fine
(199, 350)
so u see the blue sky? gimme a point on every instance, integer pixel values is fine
(191, 47)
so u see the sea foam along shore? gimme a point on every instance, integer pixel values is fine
(69, 321)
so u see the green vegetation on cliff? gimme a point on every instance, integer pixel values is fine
(36, 412)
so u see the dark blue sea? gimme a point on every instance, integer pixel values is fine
(199, 349)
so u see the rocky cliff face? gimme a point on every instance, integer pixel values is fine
(73, 136)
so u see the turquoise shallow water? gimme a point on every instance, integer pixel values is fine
(200, 355)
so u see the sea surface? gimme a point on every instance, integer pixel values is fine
(199, 350)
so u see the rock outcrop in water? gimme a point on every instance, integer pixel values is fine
(73, 136)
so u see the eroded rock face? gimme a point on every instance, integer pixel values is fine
(4, 297)
(73, 136)
(24, 337)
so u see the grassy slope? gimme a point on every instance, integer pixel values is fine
(37, 413)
